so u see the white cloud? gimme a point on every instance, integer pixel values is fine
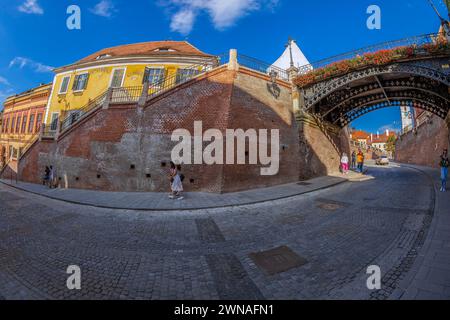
(25, 62)
(5, 94)
(393, 127)
(4, 81)
(104, 8)
(223, 14)
(31, 7)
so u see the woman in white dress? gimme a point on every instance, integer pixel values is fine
(176, 185)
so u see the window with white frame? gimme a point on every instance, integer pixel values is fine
(54, 121)
(117, 78)
(64, 85)
(80, 82)
(153, 75)
(185, 74)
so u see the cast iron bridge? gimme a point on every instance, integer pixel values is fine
(411, 72)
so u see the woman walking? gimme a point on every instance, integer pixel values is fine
(344, 163)
(176, 185)
(444, 163)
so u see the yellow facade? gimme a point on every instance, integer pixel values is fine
(99, 80)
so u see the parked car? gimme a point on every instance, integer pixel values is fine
(382, 161)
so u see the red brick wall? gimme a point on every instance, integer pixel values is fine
(121, 149)
(424, 146)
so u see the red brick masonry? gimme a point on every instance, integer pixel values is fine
(122, 149)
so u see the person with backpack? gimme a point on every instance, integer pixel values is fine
(360, 161)
(176, 183)
(444, 163)
(46, 179)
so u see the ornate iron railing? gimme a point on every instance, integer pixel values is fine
(126, 94)
(78, 114)
(406, 42)
(183, 75)
(28, 145)
(262, 67)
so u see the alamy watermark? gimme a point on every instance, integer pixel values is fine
(74, 280)
(374, 280)
(229, 149)
(374, 20)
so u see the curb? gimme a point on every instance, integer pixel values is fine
(178, 209)
(406, 282)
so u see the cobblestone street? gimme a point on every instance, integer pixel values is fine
(331, 236)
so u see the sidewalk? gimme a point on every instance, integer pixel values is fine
(429, 278)
(193, 200)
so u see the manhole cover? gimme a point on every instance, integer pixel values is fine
(277, 260)
(331, 205)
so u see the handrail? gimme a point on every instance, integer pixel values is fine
(77, 114)
(169, 81)
(410, 41)
(263, 67)
(165, 83)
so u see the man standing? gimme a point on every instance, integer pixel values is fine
(353, 159)
(360, 160)
(444, 163)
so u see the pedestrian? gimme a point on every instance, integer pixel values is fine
(46, 178)
(344, 163)
(176, 185)
(360, 161)
(353, 159)
(444, 163)
(52, 178)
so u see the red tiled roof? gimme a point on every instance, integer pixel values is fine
(149, 48)
(360, 134)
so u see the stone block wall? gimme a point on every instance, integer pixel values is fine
(423, 146)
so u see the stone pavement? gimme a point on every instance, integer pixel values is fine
(430, 276)
(312, 246)
(193, 200)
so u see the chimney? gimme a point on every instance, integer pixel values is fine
(387, 133)
(371, 137)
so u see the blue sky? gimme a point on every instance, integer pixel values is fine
(34, 36)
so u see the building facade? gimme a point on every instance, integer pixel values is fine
(22, 117)
(128, 67)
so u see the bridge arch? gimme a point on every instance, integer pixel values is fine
(421, 83)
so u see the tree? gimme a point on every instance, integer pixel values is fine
(390, 144)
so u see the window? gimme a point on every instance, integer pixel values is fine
(153, 75)
(185, 74)
(54, 122)
(80, 82)
(64, 85)
(117, 78)
(18, 124)
(13, 122)
(31, 124)
(7, 125)
(38, 121)
(24, 124)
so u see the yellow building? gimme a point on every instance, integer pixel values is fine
(22, 117)
(127, 66)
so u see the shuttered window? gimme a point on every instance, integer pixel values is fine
(153, 75)
(64, 85)
(80, 82)
(117, 78)
(186, 74)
